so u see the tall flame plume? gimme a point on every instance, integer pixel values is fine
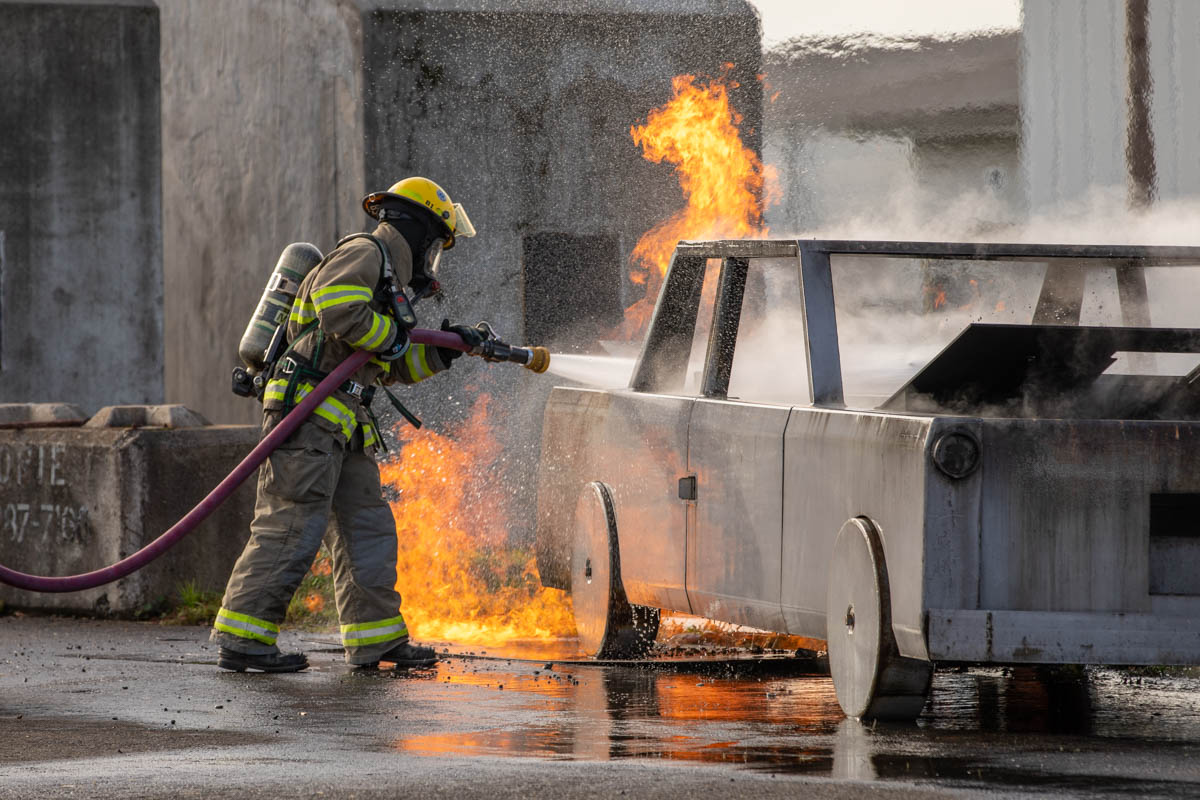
(723, 181)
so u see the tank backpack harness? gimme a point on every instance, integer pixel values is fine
(298, 369)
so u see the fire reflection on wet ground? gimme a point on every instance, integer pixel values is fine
(1064, 730)
(614, 712)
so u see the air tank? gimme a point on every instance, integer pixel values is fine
(296, 261)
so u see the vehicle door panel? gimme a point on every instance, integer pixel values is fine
(644, 453)
(735, 546)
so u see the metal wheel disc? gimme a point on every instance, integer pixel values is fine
(872, 679)
(591, 567)
(608, 626)
(853, 619)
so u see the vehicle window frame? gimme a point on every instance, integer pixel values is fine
(664, 359)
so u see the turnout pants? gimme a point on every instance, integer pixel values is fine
(311, 488)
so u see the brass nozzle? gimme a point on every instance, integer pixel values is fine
(540, 361)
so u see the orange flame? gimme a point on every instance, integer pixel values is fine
(460, 579)
(723, 182)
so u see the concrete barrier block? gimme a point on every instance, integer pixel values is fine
(32, 415)
(74, 500)
(154, 416)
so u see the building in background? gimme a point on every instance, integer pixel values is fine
(873, 135)
(1110, 100)
(81, 280)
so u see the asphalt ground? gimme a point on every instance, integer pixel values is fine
(104, 709)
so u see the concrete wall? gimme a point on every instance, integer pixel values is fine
(80, 216)
(262, 146)
(1073, 83)
(1174, 29)
(531, 133)
(1075, 98)
(279, 117)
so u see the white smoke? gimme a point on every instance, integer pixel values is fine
(886, 328)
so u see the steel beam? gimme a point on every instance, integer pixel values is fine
(727, 315)
(820, 327)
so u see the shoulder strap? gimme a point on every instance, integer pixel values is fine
(385, 268)
(305, 331)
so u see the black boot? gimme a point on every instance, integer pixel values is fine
(410, 655)
(271, 662)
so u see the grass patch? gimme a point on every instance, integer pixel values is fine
(312, 607)
(196, 606)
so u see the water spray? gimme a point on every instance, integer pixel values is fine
(493, 349)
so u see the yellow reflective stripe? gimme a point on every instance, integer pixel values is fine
(303, 313)
(275, 389)
(369, 437)
(384, 637)
(384, 334)
(340, 289)
(246, 626)
(383, 630)
(386, 366)
(301, 320)
(381, 331)
(343, 293)
(338, 414)
(369, 626)
(331, 408)
(369, 335)
(418, 364)
(261, 623)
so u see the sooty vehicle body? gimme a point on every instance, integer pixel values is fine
(1013, 500)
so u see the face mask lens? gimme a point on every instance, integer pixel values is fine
(433, 258)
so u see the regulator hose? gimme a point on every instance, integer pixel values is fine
(285, 428)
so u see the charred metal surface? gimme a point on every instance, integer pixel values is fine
(1050, 371)
(735, 538)
(637, 445)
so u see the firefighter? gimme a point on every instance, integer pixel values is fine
(322, 482)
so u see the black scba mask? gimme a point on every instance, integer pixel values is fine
(426, 243)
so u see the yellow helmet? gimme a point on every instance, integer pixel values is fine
(427, 195)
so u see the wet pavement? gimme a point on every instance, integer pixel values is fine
(118, 709)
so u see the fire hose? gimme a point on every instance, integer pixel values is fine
(534, 358)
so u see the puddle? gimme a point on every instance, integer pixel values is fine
(1096, 730)
(623, 712)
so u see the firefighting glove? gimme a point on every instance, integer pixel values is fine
(399, 346)
(473, 337)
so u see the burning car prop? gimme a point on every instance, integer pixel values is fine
(1016, 501)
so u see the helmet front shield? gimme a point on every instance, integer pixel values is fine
(462, 223)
